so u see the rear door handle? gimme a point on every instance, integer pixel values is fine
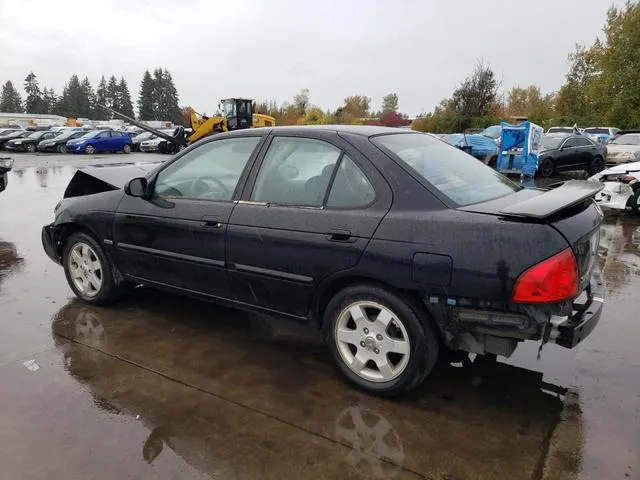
(340, 236)
(211, 222)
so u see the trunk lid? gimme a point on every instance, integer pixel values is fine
(568, 208)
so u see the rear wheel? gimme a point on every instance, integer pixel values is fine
(90, 149)
(546, 167)
(380, 342)
(61, 149)
(88, 270)
(596, 165)
(126, 149)
(493, 162)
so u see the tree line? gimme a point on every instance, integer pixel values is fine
(158, 99)
(602, 88)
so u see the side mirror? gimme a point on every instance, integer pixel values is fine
(136, 187)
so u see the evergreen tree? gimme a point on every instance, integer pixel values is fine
(170, 96)
(112, 93)
(146, 110)
(124, 99)
(33, 102)
(70, 104)
(50, 100)
(101, 98)
(159, 101)
(87, 99)
(10, 100)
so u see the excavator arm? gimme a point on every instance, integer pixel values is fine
(179, 141)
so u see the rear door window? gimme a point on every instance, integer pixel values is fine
(456, 175)
(583, 142)
(351, 188)
(296, 171)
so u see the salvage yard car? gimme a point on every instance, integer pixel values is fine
(623, 149)
(29, 143)
(59, 142)
(481, 147)
(621, 187)
(6, 164)
(570, 152)
(100, 141)
(397, 245)
(14, 134)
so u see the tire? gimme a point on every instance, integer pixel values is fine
(61, 148)
(635, 202)
(359, 352)
(31, 148)
(90, 149)
(88, 270)
(493, 162)
(546, 168)
(126, 149)
(596, 165)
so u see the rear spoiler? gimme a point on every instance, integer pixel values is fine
(554, 200)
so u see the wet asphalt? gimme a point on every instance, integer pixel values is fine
(159, 386)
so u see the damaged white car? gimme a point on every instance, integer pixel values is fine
(621, 187)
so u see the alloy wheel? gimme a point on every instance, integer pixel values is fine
(372, 341)
(85, 269)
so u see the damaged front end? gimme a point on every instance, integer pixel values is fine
(92, 194)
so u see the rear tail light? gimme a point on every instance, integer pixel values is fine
(553, 280)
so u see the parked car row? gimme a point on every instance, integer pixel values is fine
(72, 140)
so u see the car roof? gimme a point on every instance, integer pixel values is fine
(363, 130)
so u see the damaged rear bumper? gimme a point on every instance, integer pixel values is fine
(569, 331)
(50, 244)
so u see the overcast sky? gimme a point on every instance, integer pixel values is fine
(420, 49)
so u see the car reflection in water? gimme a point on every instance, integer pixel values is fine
(384, 438)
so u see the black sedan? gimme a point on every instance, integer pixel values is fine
(29, 143)
(5, 166)
(59, 142)
(397, 245)
(570, 152)
(13, 134)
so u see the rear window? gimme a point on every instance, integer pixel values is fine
(457, 175)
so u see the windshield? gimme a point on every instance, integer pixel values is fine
(36, 135)
(91, 134)
(458, 176)
(628, 139)
(549, 143)
(560, 130)
(453, 139)
(493, 131)
(597, 130)
(229, 109)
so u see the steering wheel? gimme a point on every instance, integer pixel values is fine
(201, 187)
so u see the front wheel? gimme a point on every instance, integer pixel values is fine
(380, 342)
(90, 149)
(61, 149)
(546, 167)
(126, 149)
(31, 148)
(88, 270)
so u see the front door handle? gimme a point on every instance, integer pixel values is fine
(211, 222)
(340, 236)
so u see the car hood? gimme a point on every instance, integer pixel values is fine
(622, 168)
(102, 178)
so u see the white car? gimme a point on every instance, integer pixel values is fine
(621, 187)
(601, 134)
(152, 143)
